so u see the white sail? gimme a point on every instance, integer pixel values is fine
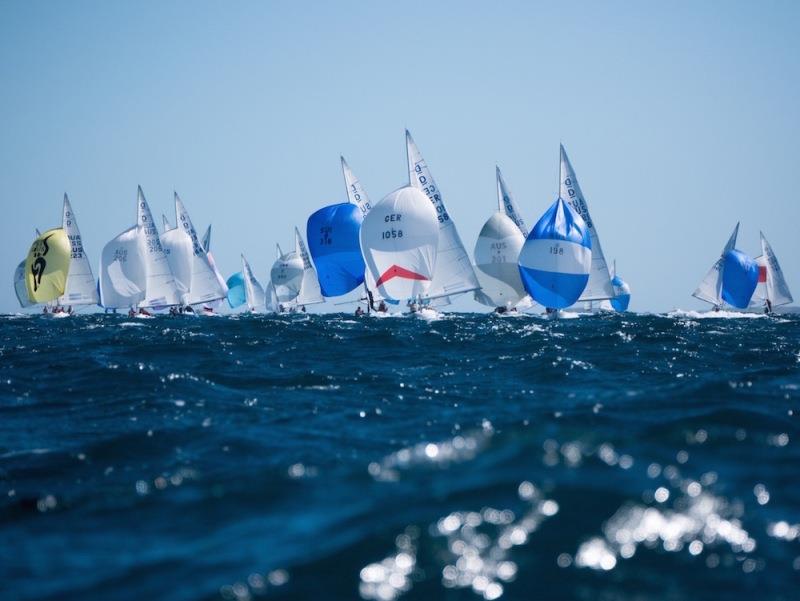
(178, 249)
(253, 290)
(497, 261)
(205, 286)
(207, 239)
(777, 289)
(81, 288)
(759, 297)
(506, 203)
(286, 276)
(123, 276)
(454, 273)
(160, 290)
(165, 223)
(710, 288)
(599, 286)
(399, 238)
(19, 287)
(271, 299)
(207, 246)
(310, 293)
(355, 191)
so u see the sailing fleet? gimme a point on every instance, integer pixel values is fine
(403, 251)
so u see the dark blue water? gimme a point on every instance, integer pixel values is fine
(324, 457)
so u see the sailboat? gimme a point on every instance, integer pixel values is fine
(732, 279)
(286, 276)
(399, 242)
(310, 293)
(454, 273)
(81, 288)
(244, 289)
(134, 270)
(599, 286)
(772, 290)
(556, 259)
(497, 254)
(622, 292)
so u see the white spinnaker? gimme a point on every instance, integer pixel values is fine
(253, 290)
(497, 261)
(399, 239)
(777, 288)
(81, 288)
(123, 276)
(505, 202)
(454, 273)
(205, 286)
(286, 276)
(310, 292)
(19, 287)
(161, 290)
(599, 286)
(710, 288)
(355, 191)
(178, 249)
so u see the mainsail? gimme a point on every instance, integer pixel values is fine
(454, 273)
(81, 286)
(556, 259)
(254, 292)
(47, 266)
(211, 261)
(160, 290)
(710, 288)
(777, 290)
(355, 191)
(310, 292)
(599, 286)
(178, 249)
(399, 238)
(123, 277)
(505, 202)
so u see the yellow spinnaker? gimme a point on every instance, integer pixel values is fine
(47, 266)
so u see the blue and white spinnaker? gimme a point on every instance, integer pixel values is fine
(556, 259)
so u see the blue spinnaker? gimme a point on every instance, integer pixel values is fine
(623, 291)
(237, 296)
(333, 239)
(555, 261)
(739, 278)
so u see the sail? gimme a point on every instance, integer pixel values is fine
(47, 266)
(161, 290)
(622, 291)
(207, 246)
(271, 299)
(310, 292)
(237, 294)
(286, 276)
(399, 238)
(81, 286)
(123, 276)
(710, 288)
(205, 286)
(506, 204)
(599, 286)
(739, 278)
(355, 191)
(333, 238)
(207, 239)
(454, 273)
(777, 288)
(165, 223)
(254, 292)
(556, 259)
(19, 286)
(759, 297)
(177, 247)
(496, 259)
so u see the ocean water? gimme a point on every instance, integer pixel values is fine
(615, 457)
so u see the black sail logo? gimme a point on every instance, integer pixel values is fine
(40, 250)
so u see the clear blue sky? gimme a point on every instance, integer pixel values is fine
(680, 118)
